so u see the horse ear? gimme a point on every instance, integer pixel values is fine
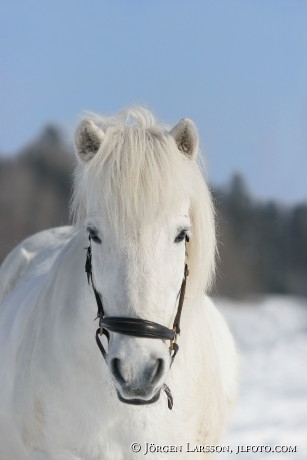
(186, 137)
(88, 139)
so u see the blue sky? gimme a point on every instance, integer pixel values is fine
(238, 68)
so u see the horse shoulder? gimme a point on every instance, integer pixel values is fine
(210, 370)
(36, 247)
(226, 353)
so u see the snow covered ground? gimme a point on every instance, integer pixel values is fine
(271, 336)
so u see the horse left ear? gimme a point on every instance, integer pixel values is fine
(186, 137)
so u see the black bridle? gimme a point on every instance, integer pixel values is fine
(136, 327)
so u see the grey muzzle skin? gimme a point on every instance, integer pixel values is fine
(136, 327)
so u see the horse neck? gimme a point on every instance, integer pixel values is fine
(70, 308)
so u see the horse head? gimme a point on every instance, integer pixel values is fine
(136, 189)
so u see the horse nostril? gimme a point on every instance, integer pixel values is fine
(156, 371)
(115, 368)
(148, 376)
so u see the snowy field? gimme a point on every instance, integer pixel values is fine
(271, 336)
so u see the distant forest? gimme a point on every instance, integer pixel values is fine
(262, 245)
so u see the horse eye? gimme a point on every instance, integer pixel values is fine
(181, 236)
(93, 235)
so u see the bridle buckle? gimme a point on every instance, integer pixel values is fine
(173, 341)
(173, 344)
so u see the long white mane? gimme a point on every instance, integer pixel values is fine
(138, 172)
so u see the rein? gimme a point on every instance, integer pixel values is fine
(136, 327)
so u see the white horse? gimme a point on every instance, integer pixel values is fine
(141, 198)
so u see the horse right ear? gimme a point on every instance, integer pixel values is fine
(186, 137)
(88, 139)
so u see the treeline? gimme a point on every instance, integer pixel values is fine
(262, 245)
(34, 189)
